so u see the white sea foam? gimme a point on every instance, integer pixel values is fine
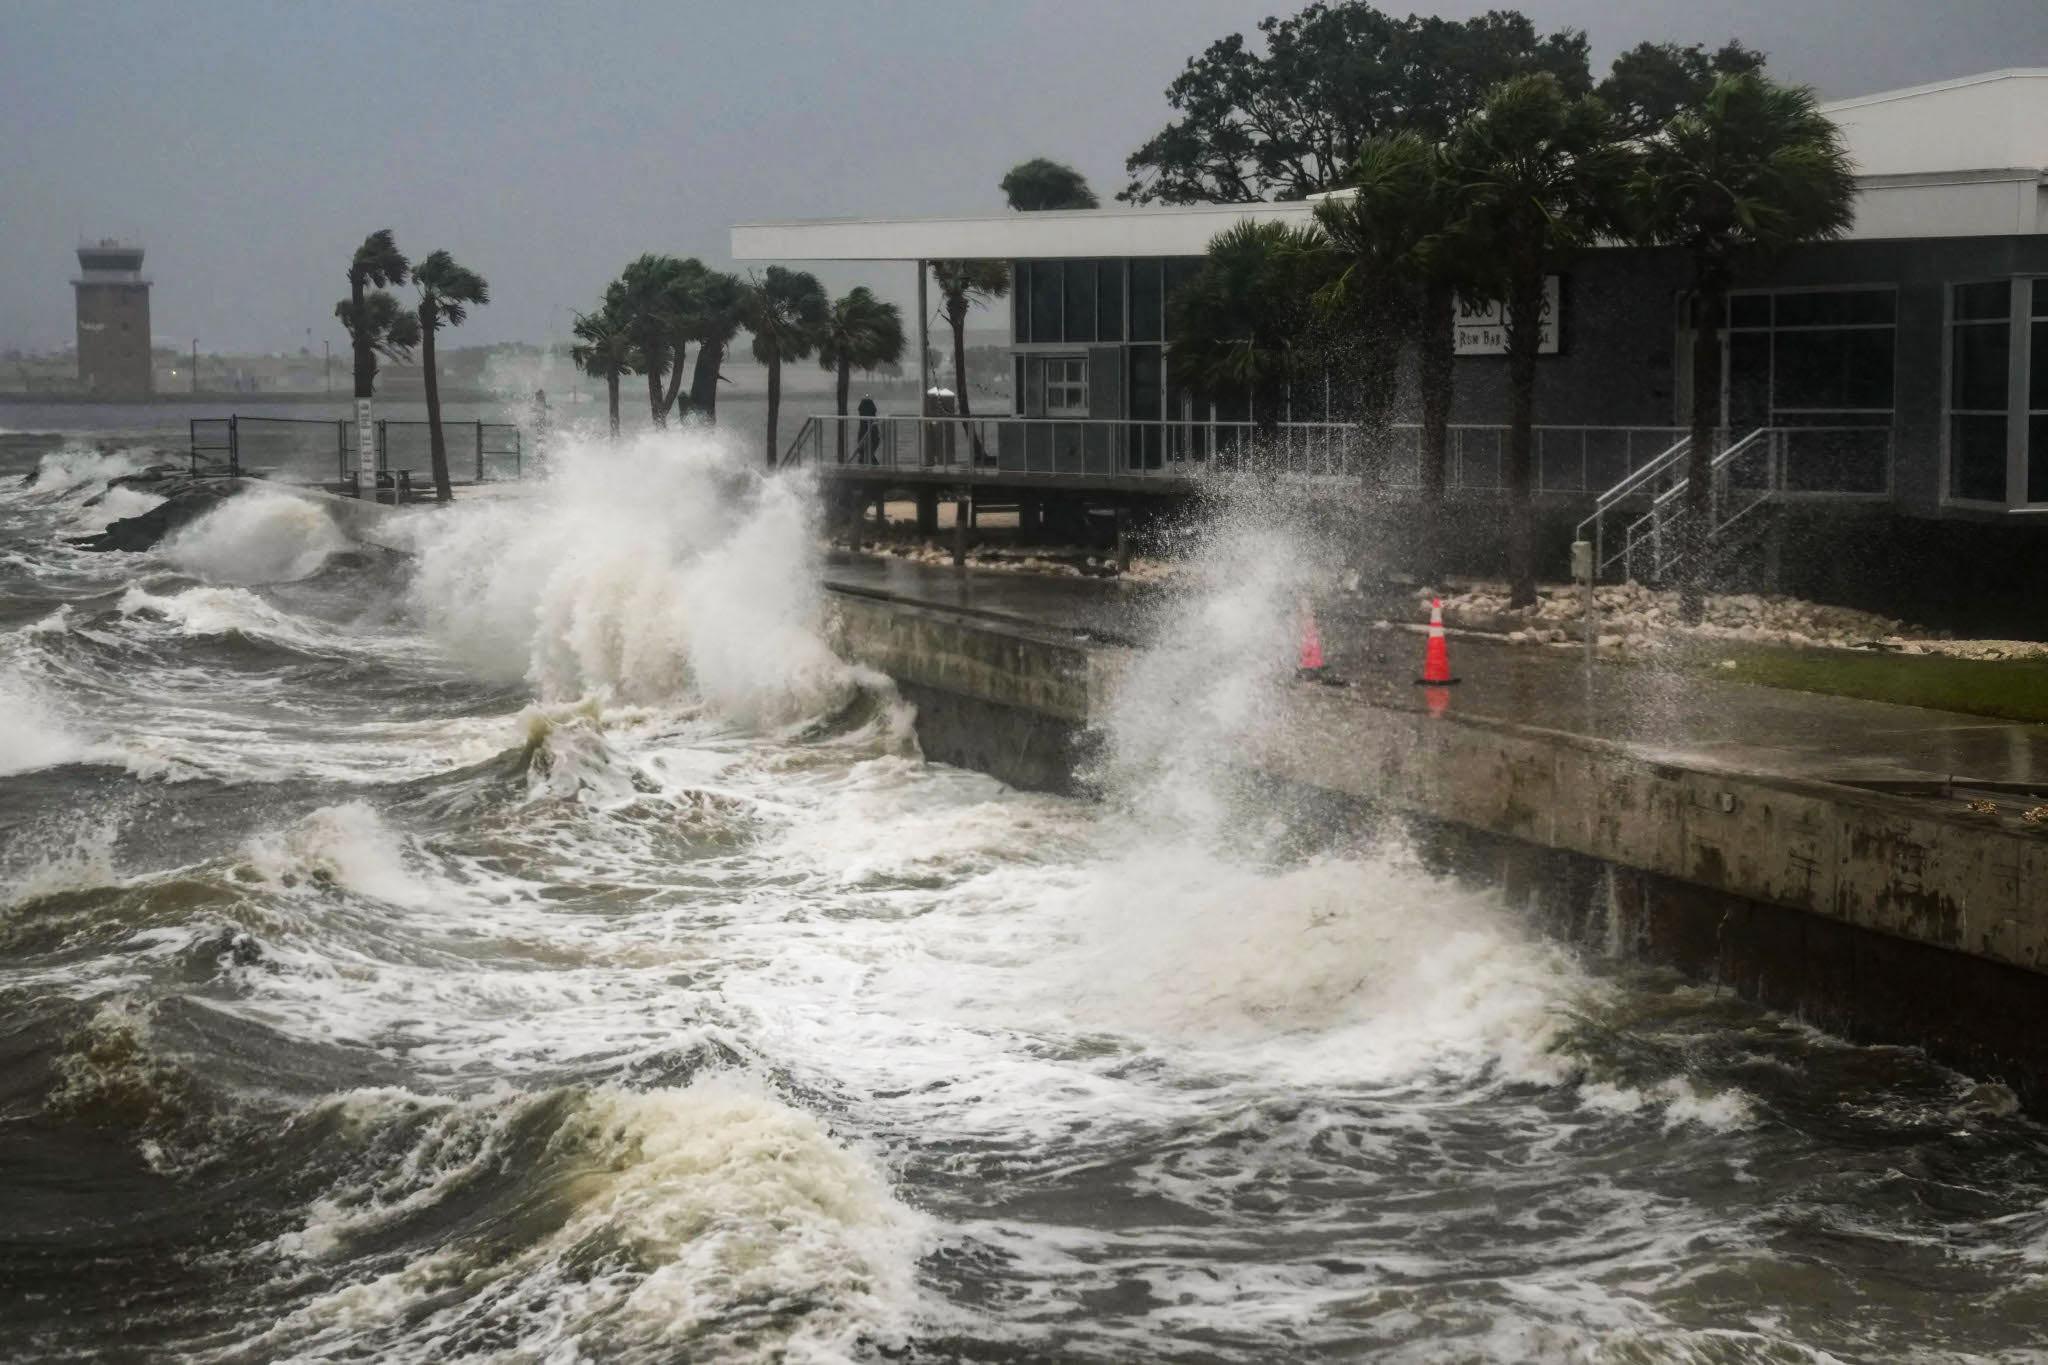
(34, 732)
(347, 846)
(262, 536)
(658, 570)
(62, 471)
(687, 1208)
(116, 504)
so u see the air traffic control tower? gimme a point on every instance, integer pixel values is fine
(113, 320)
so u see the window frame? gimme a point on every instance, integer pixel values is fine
(2018, 412)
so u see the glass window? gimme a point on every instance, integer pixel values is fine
(1066, 386)
(1836, 308)
(1833, 369)
(1146, 297)
(1047, 291)
(1749, 310)
(1178, 270)
(1976, 456)
(2037, 457)
(1978, 375)
(1977, 302)
(1020, 301)
(2041, 298)
(1109, 300)
(2037, 368)
(1080, 301)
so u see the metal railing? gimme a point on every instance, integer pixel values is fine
(322, 451)
(1768, 465)
(1565, 459)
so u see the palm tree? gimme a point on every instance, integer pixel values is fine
(447, 292)
(786, 310)
(714, 321)
(962, 284)
(1401, 232)
(604, 347)
(655, 291)
(1542, 175)
(1240, 320)
(1377, 233)
(861, 332)
(378, 262)
(1753, 169)
(1042, 184)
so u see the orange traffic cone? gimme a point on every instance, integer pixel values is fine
(1311, 644)
(1436, 656)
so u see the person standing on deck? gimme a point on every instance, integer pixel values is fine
(864, 446)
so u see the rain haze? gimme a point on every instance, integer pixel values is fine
(250, 147)
(1450, 766)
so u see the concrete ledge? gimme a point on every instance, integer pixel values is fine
(1879, 916)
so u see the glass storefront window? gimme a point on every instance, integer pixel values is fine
(1147, 300)
(1979, 378)
(1048, 292)
(1080, 321)
(1109, 300)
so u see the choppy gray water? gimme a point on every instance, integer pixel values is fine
(538, 947)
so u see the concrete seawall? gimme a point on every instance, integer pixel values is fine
(1882, 917)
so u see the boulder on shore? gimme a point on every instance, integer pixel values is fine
(186, 498)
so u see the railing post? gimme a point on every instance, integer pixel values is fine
(479, 451)
(341, 450)
(518, 454)
(234, 449)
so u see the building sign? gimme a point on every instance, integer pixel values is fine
(1481, 327)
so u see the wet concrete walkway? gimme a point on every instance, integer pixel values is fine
(1674, 715)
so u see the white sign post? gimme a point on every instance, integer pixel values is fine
(1480, 326)
(366, 452)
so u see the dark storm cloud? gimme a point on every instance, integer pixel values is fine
(251, 144)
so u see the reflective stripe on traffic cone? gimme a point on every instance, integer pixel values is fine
(1436, 655)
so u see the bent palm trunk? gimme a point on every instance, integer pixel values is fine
(774, 405)
(436, 445)
(1436, 360)
(1524, 336)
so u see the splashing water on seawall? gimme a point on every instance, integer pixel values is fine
(541, 946)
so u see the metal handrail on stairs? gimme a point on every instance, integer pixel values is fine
(1657, 531)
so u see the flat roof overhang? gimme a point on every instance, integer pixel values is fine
(1992, 202)
(1121, 231)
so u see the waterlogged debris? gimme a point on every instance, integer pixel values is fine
(1982, 806)
(2035, 815)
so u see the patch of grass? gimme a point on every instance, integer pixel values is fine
(2008, 689)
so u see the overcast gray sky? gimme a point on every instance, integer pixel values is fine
(250, 145)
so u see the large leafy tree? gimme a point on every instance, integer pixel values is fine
(860, 333)
(1752, 169)
(1543, 174)
(1653, 81)
(786, 310)
(447, 292)
(605, 349)
(1290, 121)
(1242, 320)
(1042, 184)
(377, 263)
